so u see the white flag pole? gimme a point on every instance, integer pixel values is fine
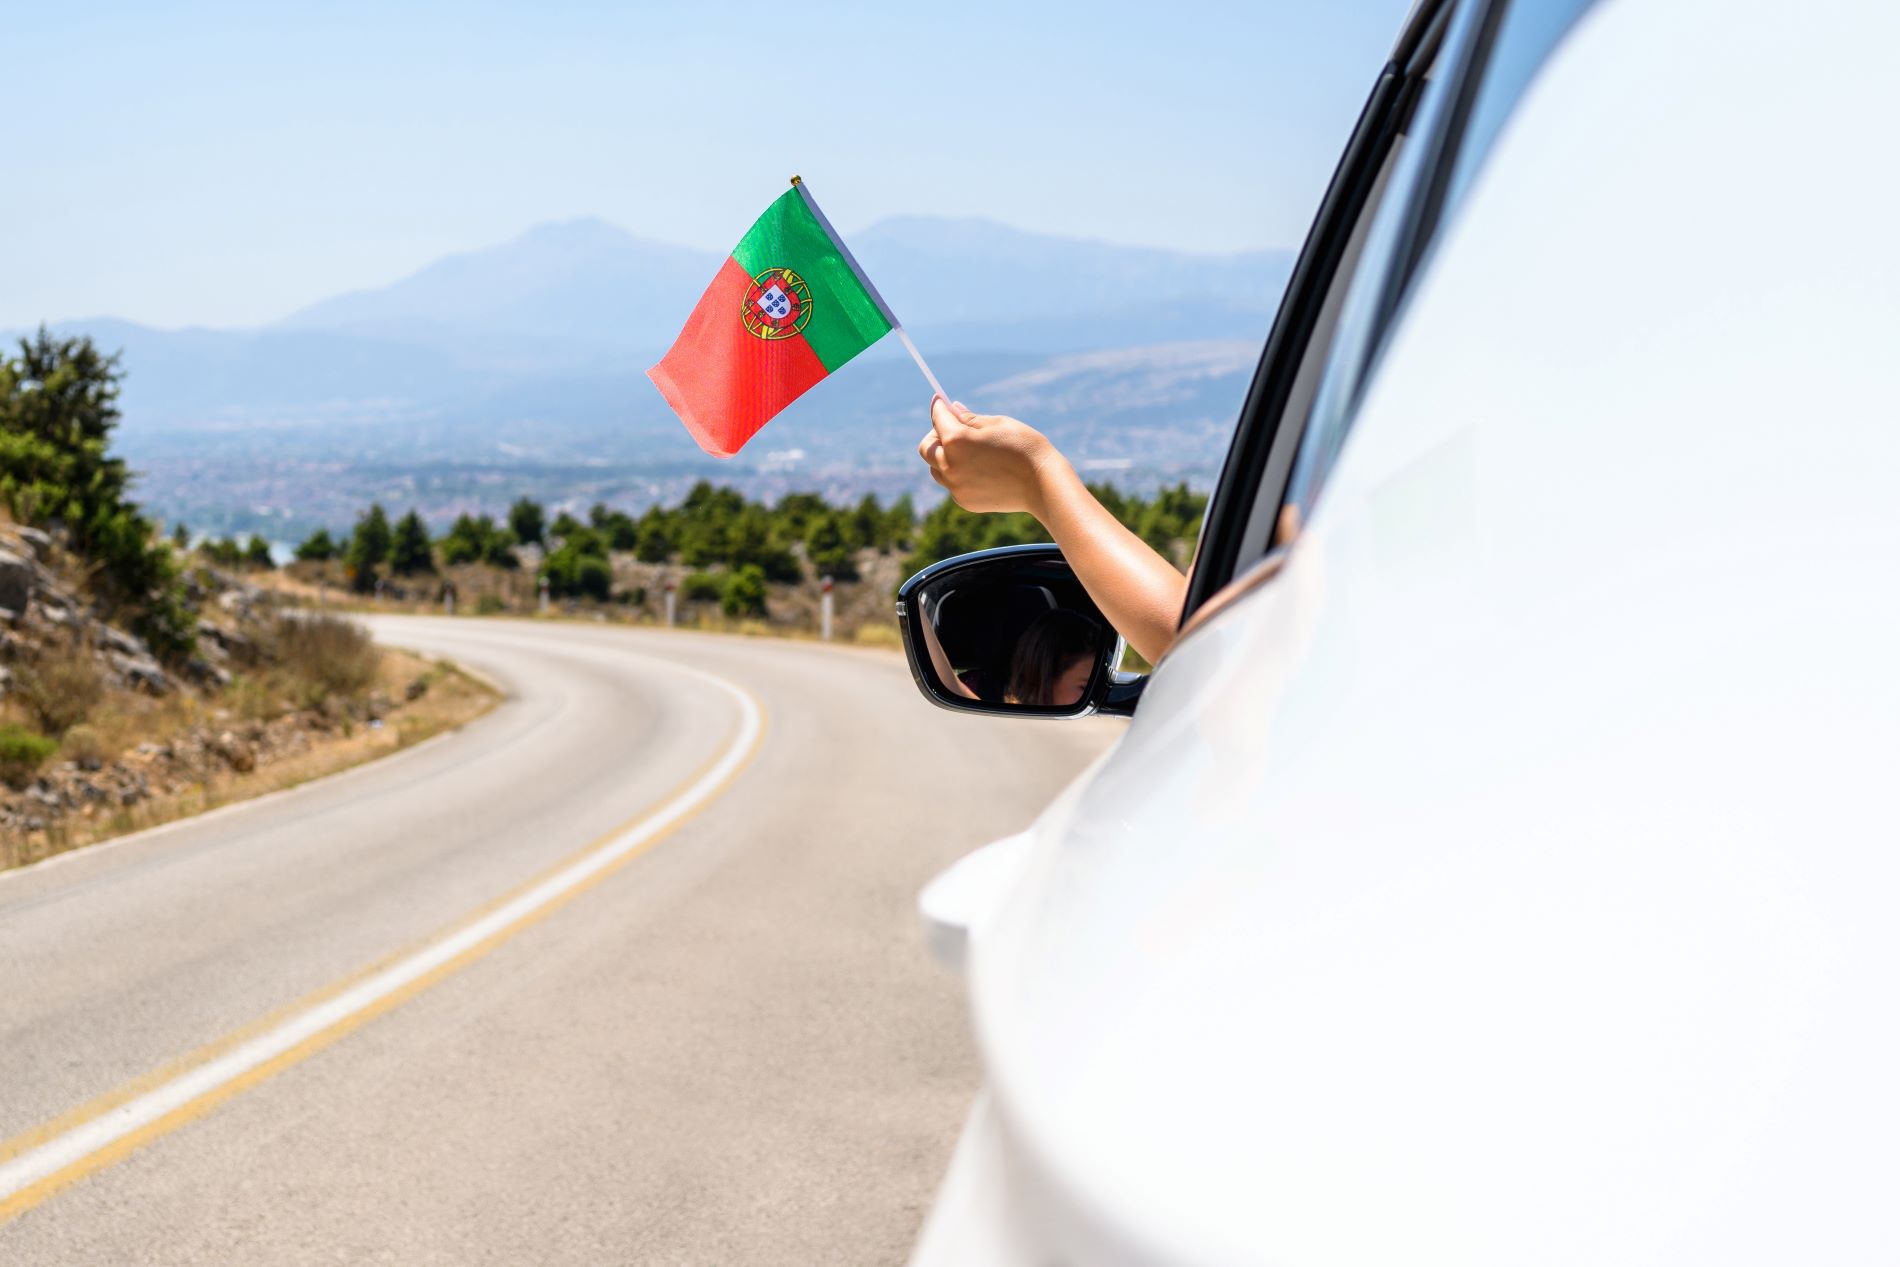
(897, 327)
(918, 357)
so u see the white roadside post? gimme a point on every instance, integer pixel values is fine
(672, 601)
(544, 596)
(824, 613)
(448, 600)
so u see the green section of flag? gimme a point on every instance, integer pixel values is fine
(844, 319)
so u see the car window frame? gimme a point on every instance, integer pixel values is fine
(1265, 459)
(1251, 474)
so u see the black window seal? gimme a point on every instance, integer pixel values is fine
(1217, 558)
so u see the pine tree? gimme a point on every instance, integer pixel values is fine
(528, 521)
(409, 551)
(369, 547)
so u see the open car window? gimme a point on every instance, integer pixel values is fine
(1459, 121)
(1435, 113)
(1239, 524)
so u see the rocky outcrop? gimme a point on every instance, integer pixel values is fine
(17, 577)
(39, 607)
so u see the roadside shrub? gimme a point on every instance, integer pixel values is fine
(489, 605)
(59, 686)
(318, 547)
(22, 753)
(324, 658)
(84, 745)
(744, 593)
(702, 587)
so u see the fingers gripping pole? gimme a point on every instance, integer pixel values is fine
(918, 357)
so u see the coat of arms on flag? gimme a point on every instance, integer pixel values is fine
(777, 304)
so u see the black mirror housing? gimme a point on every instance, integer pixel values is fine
(1012, 632)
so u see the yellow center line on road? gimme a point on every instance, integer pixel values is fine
(50, 1157)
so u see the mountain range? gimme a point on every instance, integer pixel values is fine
(521, 368)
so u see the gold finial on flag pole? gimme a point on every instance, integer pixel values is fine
(796, 182)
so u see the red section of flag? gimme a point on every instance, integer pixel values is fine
(724, 381)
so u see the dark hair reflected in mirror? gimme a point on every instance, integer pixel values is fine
(1054, 659)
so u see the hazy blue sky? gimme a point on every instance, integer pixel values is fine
(226, 163)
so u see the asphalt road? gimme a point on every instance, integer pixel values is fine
(720, 1042)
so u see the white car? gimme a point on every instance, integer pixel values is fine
(1503, 865)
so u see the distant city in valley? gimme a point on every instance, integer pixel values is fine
(520, 370)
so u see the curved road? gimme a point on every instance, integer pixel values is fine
(627, 971)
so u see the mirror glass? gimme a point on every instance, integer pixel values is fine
(1008, 631)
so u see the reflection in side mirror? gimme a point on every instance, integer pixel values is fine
(1010, 631)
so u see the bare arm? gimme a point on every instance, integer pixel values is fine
(927, 623)
(994, 463)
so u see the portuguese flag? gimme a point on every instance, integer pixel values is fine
(788, 307)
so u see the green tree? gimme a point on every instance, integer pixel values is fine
(744, 593)
(900, 524)
(654, 541)
(318, 547)
(478, 539)
(750, 541)
(949, 530)
(181, 537)
(257, 553)
(58, 407)
(616, 526)
(828, 546)
(368, 548)
(793, 515)
(528, 520)
(579, 567)
(869, 529)
(565, 526)
(409, 547)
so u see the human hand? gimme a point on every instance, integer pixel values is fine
(988, 462)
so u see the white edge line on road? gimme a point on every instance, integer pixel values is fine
(81, 1141)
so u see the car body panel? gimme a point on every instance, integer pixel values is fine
(1511, 877)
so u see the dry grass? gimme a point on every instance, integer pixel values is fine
(879, 636)
(453, 699)
(317, 658)
(58, 686)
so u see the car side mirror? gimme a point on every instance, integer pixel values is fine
(1012, 631)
